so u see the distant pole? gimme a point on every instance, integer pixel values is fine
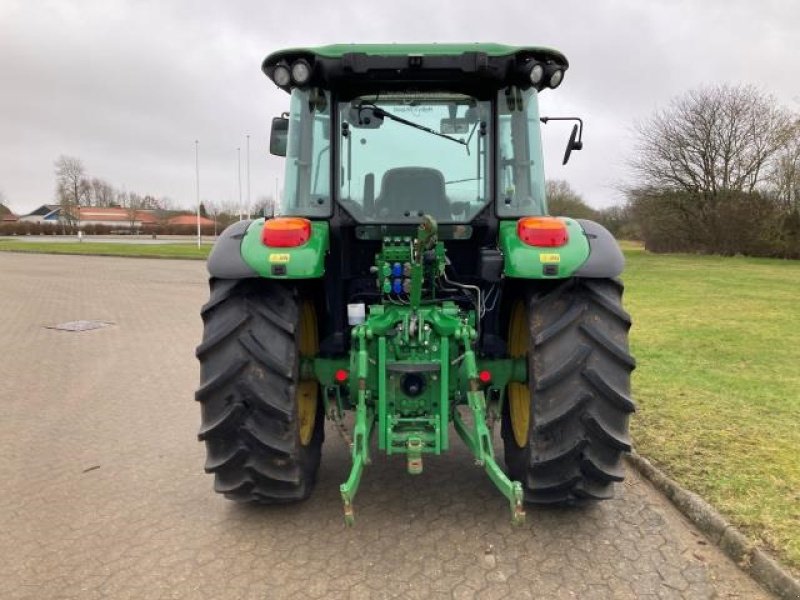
(239, 167)
(277, 200)
(197, 186)
(248, 176)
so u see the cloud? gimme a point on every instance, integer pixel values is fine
(129, 86)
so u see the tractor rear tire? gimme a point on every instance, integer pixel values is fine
(263, 437)
(565, 431)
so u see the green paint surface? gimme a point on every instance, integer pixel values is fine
(339, 50)
(301, 262)
(528, 262)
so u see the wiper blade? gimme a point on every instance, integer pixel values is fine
(382, 113)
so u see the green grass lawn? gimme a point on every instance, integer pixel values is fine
(178, 250)
(718, 384)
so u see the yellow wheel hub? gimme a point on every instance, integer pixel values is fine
(519, 394)
(307, 393)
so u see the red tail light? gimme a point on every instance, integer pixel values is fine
(286, 232)
(485, 376)
(341, 375)
(542, 231)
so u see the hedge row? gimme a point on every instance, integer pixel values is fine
(26, 228)
(752, 224)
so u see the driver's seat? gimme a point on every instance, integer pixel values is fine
(413, 189)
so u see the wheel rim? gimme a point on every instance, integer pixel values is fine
(307, 389)
(519, 394)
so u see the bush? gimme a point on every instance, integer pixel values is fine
(726, 223)
(27, 228)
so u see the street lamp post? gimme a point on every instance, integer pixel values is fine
(239, 171)
(197, 186)
(249, 205)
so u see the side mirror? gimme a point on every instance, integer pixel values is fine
(278, 136)
(573, 144)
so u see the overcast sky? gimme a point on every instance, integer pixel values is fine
(127, 86)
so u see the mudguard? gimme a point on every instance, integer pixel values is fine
(306, 261)
(590, 252)
(239, 254)
(225, 261)
(605, 257)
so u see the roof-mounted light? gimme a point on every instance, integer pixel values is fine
(281, 75)
(556, 77)
(536, 74)
(301, 72)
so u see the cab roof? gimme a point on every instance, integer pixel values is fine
(470, 66)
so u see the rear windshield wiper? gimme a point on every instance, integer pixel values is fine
(379, 112)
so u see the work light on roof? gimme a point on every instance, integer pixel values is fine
(555, 78)
(281, 76)
(537, 74)
(301, 72)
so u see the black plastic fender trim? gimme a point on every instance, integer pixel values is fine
(225, 261)
(605, 257)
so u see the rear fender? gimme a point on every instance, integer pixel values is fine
(240, 254)
(225, 261)
(591, 252)
(300, 262)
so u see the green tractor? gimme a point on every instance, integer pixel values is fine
(414, 278)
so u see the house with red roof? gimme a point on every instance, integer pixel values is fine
(6, 216)
(115, 217)
(190, 220)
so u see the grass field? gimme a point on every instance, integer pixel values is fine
(718, 384)
(178, 250)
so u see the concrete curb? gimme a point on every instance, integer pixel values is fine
(754, 561)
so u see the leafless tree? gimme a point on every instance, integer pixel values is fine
(563, 201)
(132, 203)
(712, 140)
(150, 203)
(72, 188)
(785, 176)
(264, 206)
(103, 193)
(705, 166)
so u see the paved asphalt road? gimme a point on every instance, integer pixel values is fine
(103, 493)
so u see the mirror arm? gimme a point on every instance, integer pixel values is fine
(578, 119)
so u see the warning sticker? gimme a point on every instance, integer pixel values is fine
(279, 258)
(550, 258)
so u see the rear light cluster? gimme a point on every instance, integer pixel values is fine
(544, 232)
(286, 232)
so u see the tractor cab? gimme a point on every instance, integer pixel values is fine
(385, 134)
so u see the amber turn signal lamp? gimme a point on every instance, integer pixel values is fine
(286, 232)
(547, 232)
